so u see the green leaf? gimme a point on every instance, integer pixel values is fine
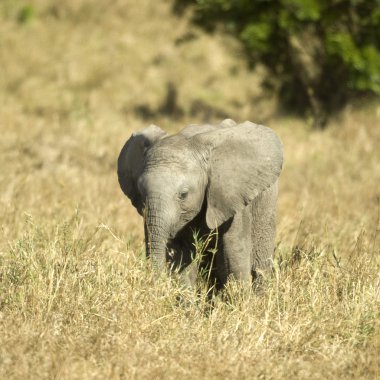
(304, 10)
(256, 36)
(343, 46)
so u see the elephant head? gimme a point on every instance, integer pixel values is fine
(170, 178)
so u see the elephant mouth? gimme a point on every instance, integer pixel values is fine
(170, 248)
(170, 253)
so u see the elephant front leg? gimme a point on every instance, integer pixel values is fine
(263, 232)
(234, 260)
(188, 275)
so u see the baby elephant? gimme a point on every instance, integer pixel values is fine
(220, 178)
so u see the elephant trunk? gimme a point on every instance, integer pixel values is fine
(156, 232)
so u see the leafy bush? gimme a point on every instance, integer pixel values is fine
(320, 53)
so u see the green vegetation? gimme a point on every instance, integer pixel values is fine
(320, 53)
(25, 14)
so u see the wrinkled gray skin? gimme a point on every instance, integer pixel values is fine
(203, 178)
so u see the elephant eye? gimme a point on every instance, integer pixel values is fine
(183, 194)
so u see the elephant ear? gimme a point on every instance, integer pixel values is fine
(130, 163)
(243, 161)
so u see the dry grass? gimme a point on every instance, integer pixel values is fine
(76, 297)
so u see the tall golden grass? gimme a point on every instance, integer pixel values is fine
(77, 299)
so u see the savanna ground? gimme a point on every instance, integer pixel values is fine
(77, 298)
